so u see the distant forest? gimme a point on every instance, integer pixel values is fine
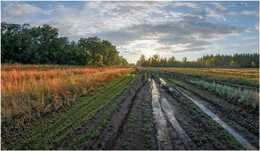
(217, 61)
(41, 45)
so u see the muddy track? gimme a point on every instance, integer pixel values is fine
(111, 135)
(118, 120)
(138, 132)
(120, 134)
(173, 121)
(201, 131)
(170, 133)
(233, 116)
(231, 109)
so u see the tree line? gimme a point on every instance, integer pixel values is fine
(216, 61)
(41, 45)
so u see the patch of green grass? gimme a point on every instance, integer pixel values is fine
(194, 135)
(203, 139)
(125, 145)
(197, 109)
(212, 125)
(233, 143)
(94, 132)
(132, 119)
(147, 129)
(237, 128)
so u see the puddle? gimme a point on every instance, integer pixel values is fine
(238, 137)
(163, 138)
(167, 108)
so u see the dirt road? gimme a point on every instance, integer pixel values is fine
(155, 113)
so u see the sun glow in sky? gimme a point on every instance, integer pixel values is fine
(179, 29)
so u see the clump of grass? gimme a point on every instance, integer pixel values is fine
(125, 145)
(243, 96)
(132, 119)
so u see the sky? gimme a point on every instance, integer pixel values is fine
(168, 28)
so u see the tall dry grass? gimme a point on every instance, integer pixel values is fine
(26, 89)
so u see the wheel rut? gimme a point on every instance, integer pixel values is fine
(245, 143)
(170, 134)
(111, 133)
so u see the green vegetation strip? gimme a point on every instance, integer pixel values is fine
(147, 129)
(235, 82)
(49, 134)
(94, 132)
(242, 96)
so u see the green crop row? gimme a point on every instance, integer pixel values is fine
(147, 129)
(50, 132)
(94, 132)
(243, 96)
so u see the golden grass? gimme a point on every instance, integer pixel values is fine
(34, 87)
(246, 74)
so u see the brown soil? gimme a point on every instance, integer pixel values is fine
(243, 119)
(194, 124)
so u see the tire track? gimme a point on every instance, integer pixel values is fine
(110, 135)
(164, 141)
(238, 137)
(163, 113)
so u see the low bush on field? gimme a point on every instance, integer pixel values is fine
(247, 97)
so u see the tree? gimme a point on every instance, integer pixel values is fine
(232, 63)
(184, 59)
(98, 60)
(253, 64)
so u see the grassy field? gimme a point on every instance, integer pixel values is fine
(30, 90)
(248, 77)
(70, 107)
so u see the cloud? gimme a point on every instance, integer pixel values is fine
(218, 12)
(248, 12)
(21, 10)
(48, 12)
(136, 27)
(16, 10)
(187, 4)
(178, 36)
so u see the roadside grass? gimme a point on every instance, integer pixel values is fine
(48, 133)
(249, 77)
(29, 91)
(247, 97)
